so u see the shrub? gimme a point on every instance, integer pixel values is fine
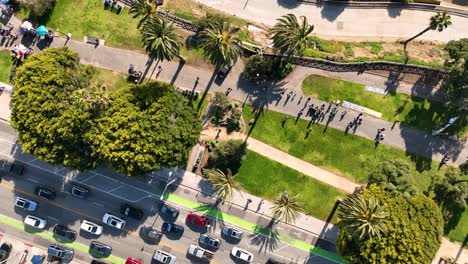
(228, 155)
(38, 8)
(260, 65)
(234, 120)
(285, 70)
(219, 104)
(210, 18)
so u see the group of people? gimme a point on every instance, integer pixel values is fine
(113, 4)
(8, 32)
(357, 121)
(318, 114)
(134, 75)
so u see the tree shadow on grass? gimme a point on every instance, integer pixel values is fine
(265, 237)
(452, 216)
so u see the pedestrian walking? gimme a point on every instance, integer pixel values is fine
(342, 115)
(260, 205)
(348, 127)
(328, 109)
(285, 118)
(322, 107)
(444, 161)
(308, 132)
(394, 124)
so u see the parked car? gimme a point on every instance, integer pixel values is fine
(172, 228)
(241, 254)
(60, 252)
(45, 192)
(208, 241)
(64, 233)
(79, 191)
(25, 204)
(99, 248)
(198, 220)
(13, 167)
(35, 222)
(169, 211)
(91, 227)
(113, 221)
(132, 261)
(232, 232)
(200, 253)
(131, 211)
(223, 72)
(164, 257)
(5, 250)
(150, 234)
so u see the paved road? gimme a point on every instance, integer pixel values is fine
(338, 22)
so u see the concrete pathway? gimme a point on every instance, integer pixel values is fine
(339, 22)
(286, 159)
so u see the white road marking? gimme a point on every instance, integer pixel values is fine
(98, 204)
(287, 245)
(115, 189)
(32, 180)
(53, 218)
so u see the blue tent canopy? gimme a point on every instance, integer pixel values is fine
(36, 259)
(42, 31)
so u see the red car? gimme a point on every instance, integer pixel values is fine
(132, 261)
(198, 220)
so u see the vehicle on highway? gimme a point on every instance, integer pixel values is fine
(200, 253)
(172, 228)
(13, 167)
(169, 211)
(132, 261)
(164, 257)
(64, 233)
(25, 204)
(241, 254)
(231, 232)
(131, 211)
(61, 252)
(208, 241)
(274, 261)
(150, 234)
(5, 250)
(35, 221)
(198, 220)
(99, 248)
(91, 227)
(45, 192)
(79, 191)
(113, 221)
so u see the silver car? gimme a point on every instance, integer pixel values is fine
(25, 204)
(231, 232)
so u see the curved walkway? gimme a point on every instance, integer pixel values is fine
(343, 23)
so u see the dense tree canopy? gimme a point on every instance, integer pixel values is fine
(414, 230)
(53, 109)
(455, 84)
(228, 155)
(146, 127)
(394, 176)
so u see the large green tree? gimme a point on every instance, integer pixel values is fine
(144, 10)
(414, 230)
(455, 85)
(221, 44)
(228, 155)
(160, 38)
(439, 22)
(54, 108)
(291, 36)
(146, 127)
(394, 176)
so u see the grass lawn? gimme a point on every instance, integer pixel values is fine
(110, 79)
(411, 111)
(5, 65)
(351, 156)
(461, 230)
(263, 177)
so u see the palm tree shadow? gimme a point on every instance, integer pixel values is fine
(176, 74)
(265, 237)
(213, 211)
(207, 89)
(149, 64)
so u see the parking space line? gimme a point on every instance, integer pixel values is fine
(98, 204)
(114, 189)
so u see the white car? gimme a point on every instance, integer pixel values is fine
(164, 257)
(232, 232)
(35, 222)
(113, 221)
(25, 204)
(91, 227)
(241, 254)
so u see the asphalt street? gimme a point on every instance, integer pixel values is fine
(107, 194)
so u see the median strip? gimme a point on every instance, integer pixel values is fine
(253, 227)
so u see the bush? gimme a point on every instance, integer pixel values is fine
(210, 18)
(38, 8)
(228, 155)
(219, 104)
(285, 70)
(234, 120)
(394, 176)
(258, 65)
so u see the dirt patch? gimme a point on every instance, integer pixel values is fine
(362, 52)
(427, 52)
(391, 47)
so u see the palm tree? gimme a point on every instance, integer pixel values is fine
(221, 44)
(438, 22)
(223, 183)
(363, 218)
(290, 36)
(160, 38)
(145, 9)
(286, 207)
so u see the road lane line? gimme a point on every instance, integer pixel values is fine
(98, 204)
(32, 180)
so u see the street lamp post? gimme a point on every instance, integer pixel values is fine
(167, 185)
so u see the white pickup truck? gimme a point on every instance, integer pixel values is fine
(200, 253)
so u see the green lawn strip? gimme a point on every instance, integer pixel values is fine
(266, 178)
(252, 227)
(5, 66)
(461, 230)
(411, 111)
(50, 236)
(348, 155)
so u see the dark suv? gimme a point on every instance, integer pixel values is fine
(44, 192)
(5, 250)
(58, 251)
(64, 233)
(79, 191)
(131, 211)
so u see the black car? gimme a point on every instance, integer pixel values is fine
(223, 72)
(5, 250)
(168, 211)
(60, 252)
(44, 192)
(64, 233)
(100, 249)
(131, 211)
(172, 228)
(274, 261)
(150, 234)
(79, 191)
